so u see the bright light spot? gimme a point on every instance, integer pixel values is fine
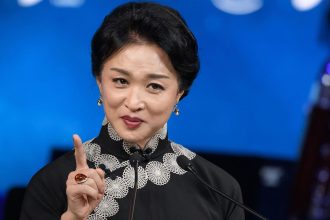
(271, 175)
(28, 3)
(305, 5)
(238, 7)
(325, 80)
(67, 3)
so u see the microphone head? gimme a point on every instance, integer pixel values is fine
(183, 162)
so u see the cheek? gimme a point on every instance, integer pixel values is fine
(162, 106)
(112, 99)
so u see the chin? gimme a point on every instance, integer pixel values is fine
(132, 138)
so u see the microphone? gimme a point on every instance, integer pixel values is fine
(139, 155)
(136, 157)
(185, 164)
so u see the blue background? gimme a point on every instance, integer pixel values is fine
(251, 98)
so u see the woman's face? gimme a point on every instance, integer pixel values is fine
(139, 88)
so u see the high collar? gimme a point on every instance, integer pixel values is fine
(112, 143)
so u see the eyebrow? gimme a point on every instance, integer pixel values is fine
(150, 75)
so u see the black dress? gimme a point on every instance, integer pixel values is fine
(165, 191)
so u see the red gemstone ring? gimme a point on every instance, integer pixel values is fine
(80, 178)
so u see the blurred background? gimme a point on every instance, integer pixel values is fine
(259, 108)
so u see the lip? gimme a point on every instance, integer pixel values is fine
(132, 122)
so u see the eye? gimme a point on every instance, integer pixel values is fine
(120, 82)
(154, 87)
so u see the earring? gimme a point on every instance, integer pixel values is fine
(176, 110)
(99, 101)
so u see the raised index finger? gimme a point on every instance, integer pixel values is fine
(79, 153)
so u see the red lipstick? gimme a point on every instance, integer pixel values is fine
(132, 122)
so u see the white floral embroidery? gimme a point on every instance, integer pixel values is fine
(127, 146)
(92, 151)
(123, 164)
(113, 134)
(152, 143)
(107, 207)
(170, 163)
(162, 132)
(180, 150)
(109, 161)
(117, 188)
(95, 217)
(157, 173)
(129, 176)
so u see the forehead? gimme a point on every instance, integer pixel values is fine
(141, 58)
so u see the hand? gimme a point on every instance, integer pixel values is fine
(84, 197)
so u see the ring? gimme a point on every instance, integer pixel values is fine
(80, 178)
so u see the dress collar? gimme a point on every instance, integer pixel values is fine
(112, 143)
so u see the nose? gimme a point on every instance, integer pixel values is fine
(134, 100)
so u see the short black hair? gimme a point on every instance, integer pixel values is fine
(146, 22)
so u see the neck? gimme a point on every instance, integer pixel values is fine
(142, 144)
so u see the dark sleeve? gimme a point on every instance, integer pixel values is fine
(45, 197)
(234, 211)
(224, 182)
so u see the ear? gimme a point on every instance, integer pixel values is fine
(180, 93)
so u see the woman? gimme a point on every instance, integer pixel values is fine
(144, 59)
